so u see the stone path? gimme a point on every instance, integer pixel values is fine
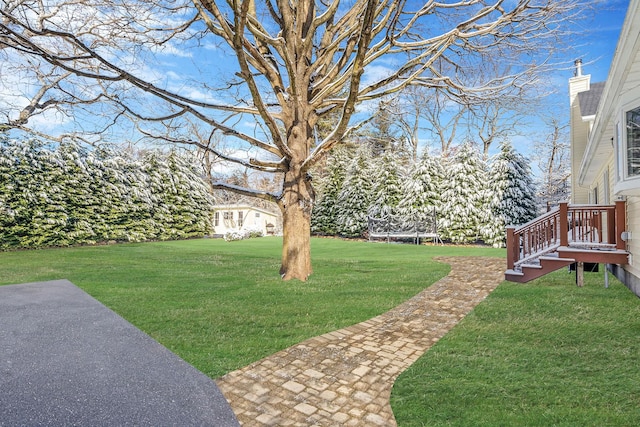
(344, 378)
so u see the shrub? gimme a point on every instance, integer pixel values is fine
(231, 236)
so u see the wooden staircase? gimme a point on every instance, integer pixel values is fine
(538, 268)
(565, 235)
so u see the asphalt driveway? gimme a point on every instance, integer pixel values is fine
(68, 360)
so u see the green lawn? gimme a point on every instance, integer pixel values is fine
(544, 353)
(222, 305)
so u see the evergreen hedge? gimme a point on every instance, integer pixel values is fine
(474, 199)
(68, 194)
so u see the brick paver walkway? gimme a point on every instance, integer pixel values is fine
(344, 378)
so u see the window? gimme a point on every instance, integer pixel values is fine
(626, 143)
(228, 220)
(240, 219)
(633, 142)
(257, 214)
(216, 219)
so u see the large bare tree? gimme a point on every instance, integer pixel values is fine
(288, 64)
(552, 155)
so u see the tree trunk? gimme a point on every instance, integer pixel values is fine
(296, 205)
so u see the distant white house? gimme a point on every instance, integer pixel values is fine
(228, 218)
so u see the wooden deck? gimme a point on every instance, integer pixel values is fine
(565, 235)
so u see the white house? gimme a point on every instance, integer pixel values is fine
(601, 224)
(606, 140)
(229, 218)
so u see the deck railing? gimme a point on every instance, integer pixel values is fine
(590, 226)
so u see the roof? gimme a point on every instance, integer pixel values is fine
(590, 99)
(243, 207)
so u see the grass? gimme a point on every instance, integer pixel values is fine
(222, 305)
(541, 354)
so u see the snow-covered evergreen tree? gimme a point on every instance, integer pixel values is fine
(462, 195)
(110, 186)
(355, 196)
(188, 197)
(36, 214)
(386, 192)
(138, 224)
(421, 189)
(50, 221)
(511, 192)
(161, 192)
(17, 198)
(6, 188)
(328, 186)
(78, 198)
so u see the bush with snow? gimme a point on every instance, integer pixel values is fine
(232, 236)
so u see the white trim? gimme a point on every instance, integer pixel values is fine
(623, 181)
(606, 183)
(243, 207)
(627, 187)
(617, 153)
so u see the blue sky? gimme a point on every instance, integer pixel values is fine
(602, 37)
(594, 42)
(596, 47)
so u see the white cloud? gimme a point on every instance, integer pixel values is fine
(374, 73)
(172, 50)
(210, 46)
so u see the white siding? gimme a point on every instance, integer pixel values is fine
(604, 183)
(252, 219)
(579, 137)
(633, 225)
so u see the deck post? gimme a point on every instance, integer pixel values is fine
(580, 274)
(621, 224)
(611, 226)
(564, 224)
(512, 247)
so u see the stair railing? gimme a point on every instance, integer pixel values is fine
(534, 238)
